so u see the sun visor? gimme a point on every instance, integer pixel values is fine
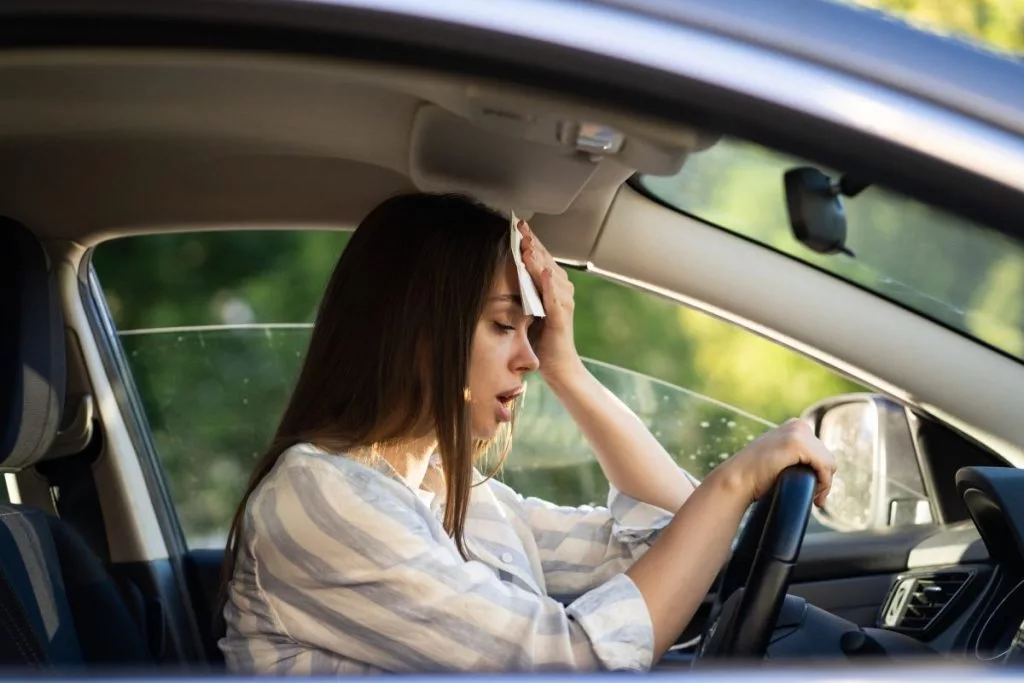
(449, 154)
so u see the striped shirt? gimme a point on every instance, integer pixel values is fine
(343, 568)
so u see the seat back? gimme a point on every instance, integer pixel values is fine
(32, 363)
(59, 607)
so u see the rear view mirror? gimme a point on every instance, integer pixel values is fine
(878, 482)
(815, 207)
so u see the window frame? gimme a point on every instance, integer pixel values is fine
(126, 394)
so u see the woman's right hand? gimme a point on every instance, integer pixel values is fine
(755, 468)
(674, 575)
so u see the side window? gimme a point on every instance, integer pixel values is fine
(214, 326)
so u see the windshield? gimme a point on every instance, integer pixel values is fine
(958, 273)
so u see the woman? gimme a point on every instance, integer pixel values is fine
(367, 539)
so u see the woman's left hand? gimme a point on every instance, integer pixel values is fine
(556, 347)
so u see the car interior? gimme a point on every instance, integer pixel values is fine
(99, 144)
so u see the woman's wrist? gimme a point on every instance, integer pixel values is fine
(727, 481)
(566, 376)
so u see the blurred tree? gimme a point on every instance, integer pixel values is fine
(995, 23)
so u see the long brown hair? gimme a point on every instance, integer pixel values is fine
(389, 352)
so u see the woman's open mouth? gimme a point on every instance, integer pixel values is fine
(505, 402)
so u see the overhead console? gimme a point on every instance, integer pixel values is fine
(534, 157)
(448, 153)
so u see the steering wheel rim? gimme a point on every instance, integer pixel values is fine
(743, 617)
(736, 570)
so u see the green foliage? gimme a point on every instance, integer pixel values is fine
(997, 24)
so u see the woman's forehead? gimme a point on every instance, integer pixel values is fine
(506, 281)
(509, 298)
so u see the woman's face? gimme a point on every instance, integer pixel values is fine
(500, 357)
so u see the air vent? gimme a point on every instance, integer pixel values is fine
(918, 603)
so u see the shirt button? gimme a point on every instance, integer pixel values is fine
(506, 558)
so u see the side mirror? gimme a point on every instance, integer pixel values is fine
(878, 482)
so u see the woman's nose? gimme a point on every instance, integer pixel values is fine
(526, 360)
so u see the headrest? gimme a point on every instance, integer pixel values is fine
(32, 361)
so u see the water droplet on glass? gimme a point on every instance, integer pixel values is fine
(705, 424)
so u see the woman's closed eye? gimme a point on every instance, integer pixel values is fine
(503, 328)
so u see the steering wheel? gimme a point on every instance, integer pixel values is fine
(742, 618)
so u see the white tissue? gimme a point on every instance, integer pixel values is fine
(527, 289)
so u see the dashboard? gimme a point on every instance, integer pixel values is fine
(963, 592)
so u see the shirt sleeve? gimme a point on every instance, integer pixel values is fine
(582, 547)
(349, 565)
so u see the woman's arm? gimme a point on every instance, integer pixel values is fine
(675, 573)
(692, 549)
(632, 459)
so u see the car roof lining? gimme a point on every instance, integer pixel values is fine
(166, 140)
